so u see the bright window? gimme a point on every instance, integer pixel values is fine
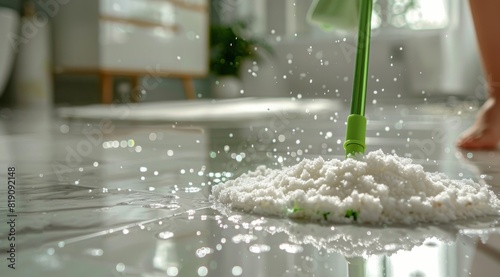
(418, 14)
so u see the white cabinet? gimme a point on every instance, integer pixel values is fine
(132, 38)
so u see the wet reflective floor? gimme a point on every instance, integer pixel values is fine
(109, 196)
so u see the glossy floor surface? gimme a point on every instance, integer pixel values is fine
(128, 196)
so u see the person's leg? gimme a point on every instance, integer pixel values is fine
(485, 132)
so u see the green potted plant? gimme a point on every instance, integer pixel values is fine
(228, 51)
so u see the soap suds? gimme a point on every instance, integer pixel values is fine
(376, 188)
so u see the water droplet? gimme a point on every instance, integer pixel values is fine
(291, 248)
(165, 235)
(237, 271)
(131, 143)
(246, 238)
(123, 144)
(120, 267)
(202, 271)
(259, 248)
(238, 158)
(96, 252)
(172, 271)
(64, 128)
(391, 247)
(192, 189)
(203, 251)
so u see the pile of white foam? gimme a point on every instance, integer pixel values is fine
(375, 188)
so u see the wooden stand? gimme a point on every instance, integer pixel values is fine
(187, 84)
(107, 82)
(107, 88)
(87, 54)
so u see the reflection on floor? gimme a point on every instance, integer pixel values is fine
(107, 196)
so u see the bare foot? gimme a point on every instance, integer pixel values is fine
(485, 132)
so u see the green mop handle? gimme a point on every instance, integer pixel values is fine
(356, 122)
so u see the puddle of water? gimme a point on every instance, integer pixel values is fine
(222, 243)
(147, 212)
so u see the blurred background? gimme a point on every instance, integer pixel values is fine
(207, 90)
(73, 52)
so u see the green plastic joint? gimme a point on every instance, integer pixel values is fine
(355, 136)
